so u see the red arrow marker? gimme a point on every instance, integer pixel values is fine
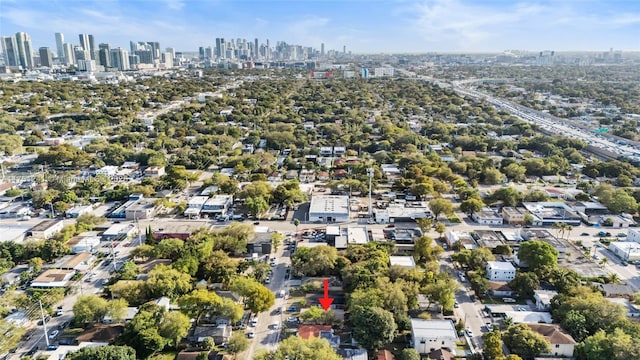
(326, 301)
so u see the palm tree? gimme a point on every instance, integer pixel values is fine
(557, 226)
(613, 278)
(603, 262)
(569, 228)
(296, 223)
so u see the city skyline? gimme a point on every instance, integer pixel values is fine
(403, 26)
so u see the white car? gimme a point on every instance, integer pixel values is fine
(292, 319)
(275, 325)
(469, 332)
(53, 334)
(251, 334)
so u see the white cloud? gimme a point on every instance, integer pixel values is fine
(99, 15)
(175, 4)
(466, 24)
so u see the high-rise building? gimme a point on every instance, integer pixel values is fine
(81, 54)
(155, 49)
(104, 57)
(10, 50)
(221, 48)
(60, 46)
(92, 47)
(84, 41)
(172, 51)
(120, 59)
(201, 53)
(25, 51)
(256, 49)
(46, 57)
(167, 59)
(322, 49)
(69, 54)
(208, 53)
(144, 56)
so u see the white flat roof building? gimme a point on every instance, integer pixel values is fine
(500, 271)
(625, 250)
(329, 208)
(430, 335)
(402, 261)
(357, 235)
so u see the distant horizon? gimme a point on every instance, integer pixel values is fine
(364, 27)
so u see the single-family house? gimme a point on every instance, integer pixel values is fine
(500, 289)
(219, 333)
(562, 344)
(543, 299)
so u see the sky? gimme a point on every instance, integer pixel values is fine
(363, 26)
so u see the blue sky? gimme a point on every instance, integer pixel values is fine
(364, 26)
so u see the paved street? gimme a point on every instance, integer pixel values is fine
(266, 334)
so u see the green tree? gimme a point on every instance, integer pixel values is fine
(523, 341)
(296, 223)
(425, 250)
(492, 345)
(36, 265)
(174, 326)
(257, 206)
(198, 303)
(166, 281)
(12, 334)
(109, 352)
(425, 224)
(615, 346)
(141, 333)
(237, 343)
(575, 324)
(276, 240)
(257, 297)
(295, 347)
(622, 202)
(471, 205)
(89, 308)
(409, 354)
(373, 327)
(524, 284)
(440, 228)
(319, 260)
(117, 309)
(440, 206)
(540, 256)
(508, 196)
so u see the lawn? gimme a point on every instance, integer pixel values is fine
(171, 355)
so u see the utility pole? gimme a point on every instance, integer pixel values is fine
(44, 323)
(370, 175)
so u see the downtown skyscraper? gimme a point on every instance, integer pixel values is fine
(25, 50)
(60, 46)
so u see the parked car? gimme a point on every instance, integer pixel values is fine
(584, 234)
(251, 334)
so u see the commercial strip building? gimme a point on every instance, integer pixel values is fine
(329, 208)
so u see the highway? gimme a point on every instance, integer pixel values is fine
(606, 145)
